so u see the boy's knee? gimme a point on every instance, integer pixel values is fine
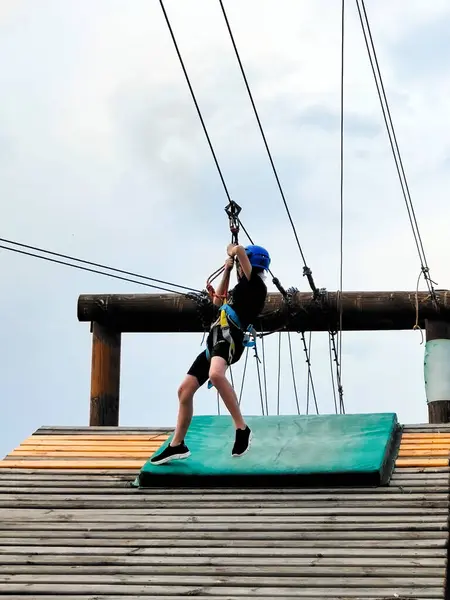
(187, 389)
(216, 378)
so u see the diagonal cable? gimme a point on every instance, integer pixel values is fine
(376, 71)
(199, 112)
(307, 270)
(244, 76)
(81, 268)
(92, 264)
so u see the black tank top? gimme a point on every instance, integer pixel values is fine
(248, 298)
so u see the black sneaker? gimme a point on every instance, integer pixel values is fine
(171, 453)
(242, 441)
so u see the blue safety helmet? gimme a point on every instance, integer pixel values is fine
(258, 256)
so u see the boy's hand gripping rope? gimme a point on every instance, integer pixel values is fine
(233, 210)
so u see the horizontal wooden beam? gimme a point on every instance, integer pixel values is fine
(362, 311)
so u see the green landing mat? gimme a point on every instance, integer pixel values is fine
(339, 450)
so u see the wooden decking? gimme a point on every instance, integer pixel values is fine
(71, 526)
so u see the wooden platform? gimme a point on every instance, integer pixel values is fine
(72, 526)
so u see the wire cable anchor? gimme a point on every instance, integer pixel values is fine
(233, 210)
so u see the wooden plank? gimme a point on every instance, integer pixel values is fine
(97, 445)
(431, 441)
(100, 430)
(77, 453)
(226, 591)
(148, 495)
(422, 452)
(122, 486)
(203, 525)
(422, 470)
(382, 514)
(124, 490)
(127, 494)
(133, 543)
(98, 477)
(406, 435)
(94, 439)
(306, 536)
(97, 494)
(73, 464)
(21, 562)
(143, 506)
(219, 580)
(400, 476)
(212, 596)
(438, 508)
(227, 556)
(223, 547)
(266, 571)
(418, 462)
(425, 426)
(100, 492)
(429, 447)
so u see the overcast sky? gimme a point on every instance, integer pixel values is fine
(102, 156)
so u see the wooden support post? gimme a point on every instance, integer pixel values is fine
(437, 370)
(105, 376)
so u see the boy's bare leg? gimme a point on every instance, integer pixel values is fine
(217, 376)
(186, 393)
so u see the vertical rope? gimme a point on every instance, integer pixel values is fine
(260, 386)
(341, 249)
(308, 384)
(279, 373)
(265, 375)
(293, 372)
(332, 374)
(243, 377)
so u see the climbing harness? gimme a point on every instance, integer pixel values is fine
(226, 317)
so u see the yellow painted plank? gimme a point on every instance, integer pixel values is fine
(94, 443)
(430, 447)
(425, 436)
(77, 454)
(420, 452)
(108, 448)
(422, 462)
(71, 464)
(424, 443)
(409, 443)
(95, 437)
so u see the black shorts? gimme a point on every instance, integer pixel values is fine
(200, 366)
